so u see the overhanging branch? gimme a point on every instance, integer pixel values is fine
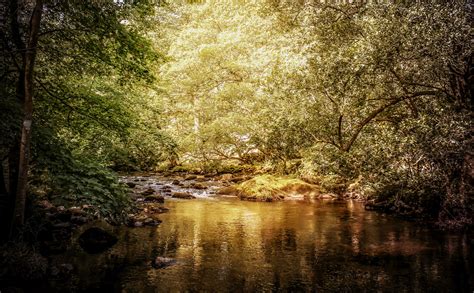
(347, 147)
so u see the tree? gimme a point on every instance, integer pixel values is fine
(27, 100)
(220, 59)
(55, 49)
(383, 89)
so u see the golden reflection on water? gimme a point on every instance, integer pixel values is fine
(231, 245)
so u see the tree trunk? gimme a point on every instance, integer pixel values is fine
(5, 207)
(24, 155)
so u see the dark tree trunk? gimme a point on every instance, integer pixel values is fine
(24, 154)
(5, 205)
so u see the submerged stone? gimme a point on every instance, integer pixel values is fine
(151, 222)
(96, 240)
(162, 262)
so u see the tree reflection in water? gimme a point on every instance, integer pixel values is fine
(231, 245)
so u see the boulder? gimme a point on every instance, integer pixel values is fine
(131, 184)
(266, 187)
(155, 198)
(197, 186)
(176, 182)
(79, 220)
(327, 196)
(62, 225)
(138, 224)
(190, 177)
(149, 191)
(163, 210)
(182, 195)
(151, 222)
(229, 190)
(162, 262)
(96, 240)
(166, 188)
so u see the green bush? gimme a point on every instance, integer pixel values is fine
(74, 180)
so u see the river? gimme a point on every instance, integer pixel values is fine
(224, 244)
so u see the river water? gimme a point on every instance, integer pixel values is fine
(224, 244)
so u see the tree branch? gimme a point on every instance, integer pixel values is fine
(347, 147)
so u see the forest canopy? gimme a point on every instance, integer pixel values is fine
(370, 100)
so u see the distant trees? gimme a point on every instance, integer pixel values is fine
(221, 57)
(350, 90)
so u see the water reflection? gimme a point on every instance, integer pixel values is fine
(230, 245)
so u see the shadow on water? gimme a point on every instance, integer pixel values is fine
(231, 245)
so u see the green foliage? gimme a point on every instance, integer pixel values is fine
(142, 149)
(430, 176)
(181, 169)
(72, 180)
(223, 167)
(367, 98)
(92, 78)
(9, 124)
(339, 93)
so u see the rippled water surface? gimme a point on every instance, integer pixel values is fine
(324, 246)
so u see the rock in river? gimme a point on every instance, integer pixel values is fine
(197, 186)
(162, 262)
(155, 198)
(230, 190)
(190, 177)
(151, 222)
(166, 188)
(131, 184)
(149, 191)
(95, 240)
(182, 195)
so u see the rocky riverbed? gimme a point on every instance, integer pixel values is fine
(67, 230)
(150, 191)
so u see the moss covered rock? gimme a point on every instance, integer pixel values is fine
(271, 188)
